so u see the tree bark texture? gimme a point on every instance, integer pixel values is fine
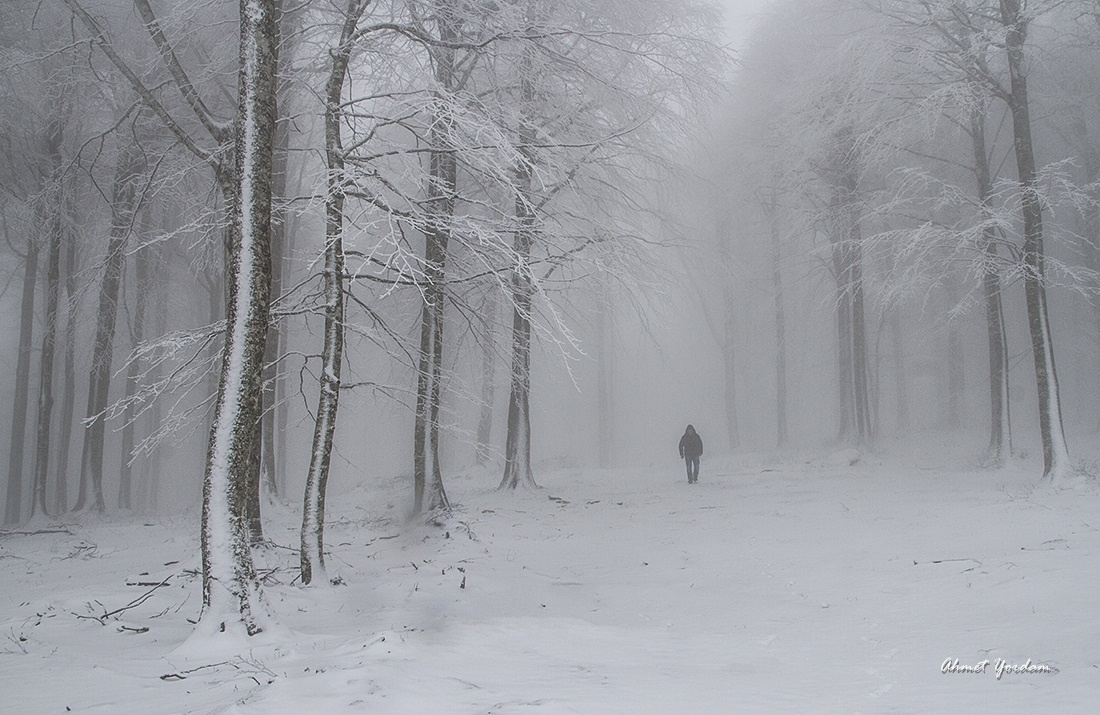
(232, 597)
(252, 507)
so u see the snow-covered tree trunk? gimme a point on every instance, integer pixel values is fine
(13, 506)
(313, 511)
(124, 199)
(232, 597)
(1055, 452)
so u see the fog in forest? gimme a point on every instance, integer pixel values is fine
(348, 350)
(771, 226)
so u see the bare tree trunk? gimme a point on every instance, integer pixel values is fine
(68, 402)
(781, 437)
(313, 511)
(489, 312)
(517, 447)
(13, 506)
(123, 205)
(855, 405)
(956, 376)
(605, 395)
(142, 277)
(726, 333)
(999, 436)
(269, 462)
(420, 420)
(280, 385)
(729, 364)
(901, 388)
(860, 382)
(155, 463)
(844, 345)
(428, 488)
(1090, 159)
(1055, 452)
(252, 510)
(232, 596)
(49, 336)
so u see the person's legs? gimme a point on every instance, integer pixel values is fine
(693, 470)
(687, 463)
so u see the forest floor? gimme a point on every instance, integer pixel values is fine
(778, 583)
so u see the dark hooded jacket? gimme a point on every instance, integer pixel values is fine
(691, 444)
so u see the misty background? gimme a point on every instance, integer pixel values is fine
(727, 273)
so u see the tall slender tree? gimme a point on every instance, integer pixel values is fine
(129, 171)
(428, 489)
(1055, 452)
(53, 228)
(13, 505)
(517, 448)
(313, 512)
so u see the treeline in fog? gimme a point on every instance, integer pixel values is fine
(250, 246)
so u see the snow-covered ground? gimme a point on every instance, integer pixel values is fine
(775, 584)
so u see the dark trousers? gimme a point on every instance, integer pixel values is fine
(692, 469)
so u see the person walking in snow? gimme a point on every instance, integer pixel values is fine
(691, 448)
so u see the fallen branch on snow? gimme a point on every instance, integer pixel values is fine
(132, 604)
